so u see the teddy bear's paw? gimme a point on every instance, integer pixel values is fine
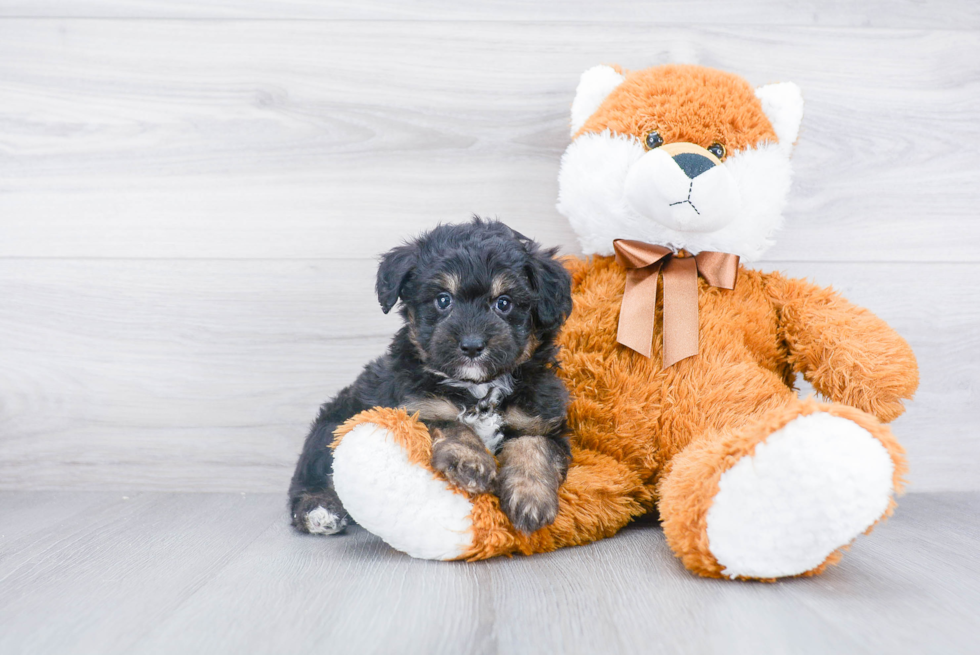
(807, 490)
(399, 500)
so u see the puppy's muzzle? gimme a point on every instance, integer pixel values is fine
(684, 187)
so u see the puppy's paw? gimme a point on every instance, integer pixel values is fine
(319, 513)
(466, 467)
(529, 504)
(320, 520)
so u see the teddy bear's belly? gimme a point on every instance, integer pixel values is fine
(629, 407)
(642, 415)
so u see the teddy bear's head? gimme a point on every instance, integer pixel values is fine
(680, 156)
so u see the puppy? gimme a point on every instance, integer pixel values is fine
(482, 305)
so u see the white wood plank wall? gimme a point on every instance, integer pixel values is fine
(193, 194)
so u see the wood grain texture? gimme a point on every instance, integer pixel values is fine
(118, 563)
(203, 375)
(288, 139)
(855, 13)
(192, 195)
(218, 573)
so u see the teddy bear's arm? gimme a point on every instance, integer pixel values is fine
(847, 353)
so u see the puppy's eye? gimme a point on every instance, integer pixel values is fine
(503, 304)
(444, 301)
(653, 140)
(717, 150)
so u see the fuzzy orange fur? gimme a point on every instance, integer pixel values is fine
(684, 103)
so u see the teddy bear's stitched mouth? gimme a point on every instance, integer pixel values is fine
(688, 199)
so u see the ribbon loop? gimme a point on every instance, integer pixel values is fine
(644, 262)
(719, 269)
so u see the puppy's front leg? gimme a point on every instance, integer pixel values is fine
(531, 470)
(459, 454)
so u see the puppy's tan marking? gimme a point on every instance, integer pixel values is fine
(501, 284)
(525, 423)
(528, 482)
(461, 456)
(433, 409)
(529, 348)
(413, 335)
(448, 281)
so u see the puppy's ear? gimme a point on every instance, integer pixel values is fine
(395, 268)
(553, 285)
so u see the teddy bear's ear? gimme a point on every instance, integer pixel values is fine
(593, 87)
(783, 106)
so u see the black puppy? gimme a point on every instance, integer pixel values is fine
(476, 359)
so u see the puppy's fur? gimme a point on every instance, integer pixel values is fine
(482, 305)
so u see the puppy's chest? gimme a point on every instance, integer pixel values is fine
(487, 423)
(484, 416)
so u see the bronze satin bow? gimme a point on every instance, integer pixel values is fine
(643, 262)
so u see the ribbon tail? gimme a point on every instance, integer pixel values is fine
(636, 314)
(680, 309)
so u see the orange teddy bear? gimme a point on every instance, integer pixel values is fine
(680, 362)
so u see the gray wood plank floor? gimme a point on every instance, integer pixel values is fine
(223, 573)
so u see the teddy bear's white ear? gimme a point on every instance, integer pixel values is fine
(783, 105)
(593, 87)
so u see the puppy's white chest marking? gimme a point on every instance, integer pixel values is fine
(486, 425)
(483, 418)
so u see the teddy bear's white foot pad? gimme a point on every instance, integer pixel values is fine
(404, 504)
(810, 488)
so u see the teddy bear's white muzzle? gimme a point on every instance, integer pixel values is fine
(687, 192)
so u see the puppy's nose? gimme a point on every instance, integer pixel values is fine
(472, 346)
(693, 164)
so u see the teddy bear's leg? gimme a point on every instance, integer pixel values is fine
(383, 476)
(783, 495)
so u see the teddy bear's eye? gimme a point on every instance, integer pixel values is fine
(653, 140)
(717, 150)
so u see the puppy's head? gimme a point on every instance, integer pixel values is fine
(478, 298)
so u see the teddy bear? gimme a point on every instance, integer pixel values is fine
(680, 360)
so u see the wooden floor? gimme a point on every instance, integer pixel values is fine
(224, 573)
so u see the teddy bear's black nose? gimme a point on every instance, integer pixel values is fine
(693, 164)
